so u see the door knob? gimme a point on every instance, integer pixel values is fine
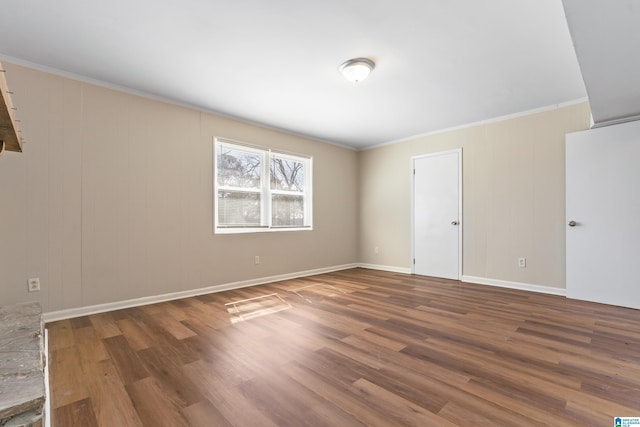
(454, 222)
(572, 223)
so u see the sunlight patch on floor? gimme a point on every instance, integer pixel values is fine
(250, 308)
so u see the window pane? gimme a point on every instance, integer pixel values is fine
(237, 208)
(287, 210)
(287, 174)
(237, 168)
(256, 189)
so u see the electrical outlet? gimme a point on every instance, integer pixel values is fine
(522, 262)
(376, 250)
(256, 260)
(34, 284)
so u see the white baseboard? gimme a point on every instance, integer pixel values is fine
(514, 285)
(480, 281)
(118, 305)
(386, 268)
(101, 308)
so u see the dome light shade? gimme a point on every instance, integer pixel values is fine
(356, 70)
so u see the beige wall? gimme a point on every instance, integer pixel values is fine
(513, 196)
(112, 199)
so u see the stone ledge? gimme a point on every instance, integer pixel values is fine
(21, 362)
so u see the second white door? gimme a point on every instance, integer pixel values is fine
(603, 207)
(437, 228)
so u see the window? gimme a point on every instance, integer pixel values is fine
(259, 189)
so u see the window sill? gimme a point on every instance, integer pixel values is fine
(241, 230)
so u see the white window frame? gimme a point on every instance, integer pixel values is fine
(265, 188)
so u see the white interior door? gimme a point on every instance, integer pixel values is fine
(603, 212)
(437, 215)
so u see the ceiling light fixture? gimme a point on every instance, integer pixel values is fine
(357, 69)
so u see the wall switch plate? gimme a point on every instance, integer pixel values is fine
(34, 284)
(256, 260)
(522, 262)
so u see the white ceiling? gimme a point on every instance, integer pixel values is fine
(439, 63)
(606, 35)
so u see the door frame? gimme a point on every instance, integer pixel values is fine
(460, 221)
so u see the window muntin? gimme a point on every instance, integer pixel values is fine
(258, 189)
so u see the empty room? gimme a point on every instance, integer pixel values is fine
(338, 213)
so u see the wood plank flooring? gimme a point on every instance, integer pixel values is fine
(352, 348)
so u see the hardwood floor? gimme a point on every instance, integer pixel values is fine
(351, 348)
